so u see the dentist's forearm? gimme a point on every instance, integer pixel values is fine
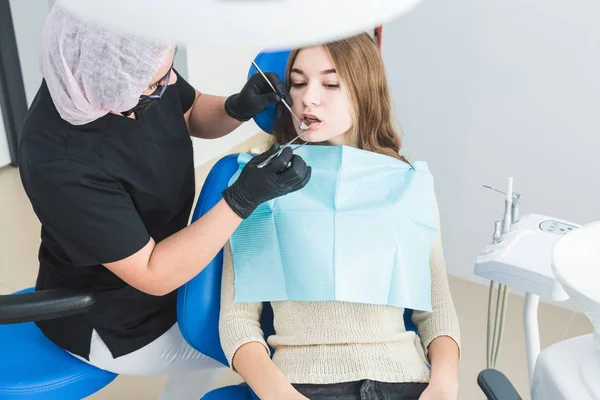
(208, 119)
(158, 269)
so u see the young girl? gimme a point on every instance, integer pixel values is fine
(333, 349)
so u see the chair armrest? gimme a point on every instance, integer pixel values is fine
(44, 304)
(496, 386)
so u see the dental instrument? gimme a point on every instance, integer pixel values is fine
(516, 202)
(495, 329)
(301, 125)
(278, 152)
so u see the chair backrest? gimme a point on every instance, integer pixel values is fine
(276, 62)
(199, 300)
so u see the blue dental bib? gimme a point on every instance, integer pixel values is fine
(360, 231)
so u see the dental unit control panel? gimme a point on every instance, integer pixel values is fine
(520, 255)
(522, 258)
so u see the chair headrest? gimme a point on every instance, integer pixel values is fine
(275, 61)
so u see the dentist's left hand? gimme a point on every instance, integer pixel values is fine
(285, 174)
(256, 96)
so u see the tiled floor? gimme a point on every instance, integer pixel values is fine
(19, 240)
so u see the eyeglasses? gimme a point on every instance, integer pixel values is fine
(160, 90)
(146, 101)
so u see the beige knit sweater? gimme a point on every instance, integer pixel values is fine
(333, 342)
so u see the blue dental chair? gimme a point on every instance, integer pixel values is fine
(31, 366)
(198, 301)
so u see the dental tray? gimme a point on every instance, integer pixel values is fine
(522, 259)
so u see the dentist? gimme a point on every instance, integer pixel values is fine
(106, 161)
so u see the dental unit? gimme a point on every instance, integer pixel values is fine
(550, 259)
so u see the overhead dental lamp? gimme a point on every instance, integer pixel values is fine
(268, 24)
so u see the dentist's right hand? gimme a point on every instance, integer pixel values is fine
(285, 174)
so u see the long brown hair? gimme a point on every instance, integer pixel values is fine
(359, 65)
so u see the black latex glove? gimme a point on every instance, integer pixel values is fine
(256, 96)
(256, 185)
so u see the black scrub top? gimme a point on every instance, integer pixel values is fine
(100, 191)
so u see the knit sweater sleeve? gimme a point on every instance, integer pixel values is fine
(442, 320)
(239, 323)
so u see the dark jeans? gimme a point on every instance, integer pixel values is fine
(363, 390)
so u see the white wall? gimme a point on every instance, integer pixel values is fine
(220, 71)
(28, 20)
(4, 153)
(489, 89)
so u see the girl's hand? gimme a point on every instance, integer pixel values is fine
(437, 390)
(287, 393)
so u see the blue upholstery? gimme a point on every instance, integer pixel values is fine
(33, 367)
(408, 323)
(269, 62)
(198, 301)
(236, 392)
(200, 326)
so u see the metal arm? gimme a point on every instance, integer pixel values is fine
(44, 305)
(496, 386)
(532, 331)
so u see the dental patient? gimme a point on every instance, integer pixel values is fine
(335, 349)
